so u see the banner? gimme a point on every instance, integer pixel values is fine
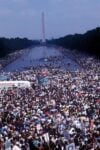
(70, 146)
(46, 137)
(20, 84)
(43, 80)
(4, 78)
(43, 77)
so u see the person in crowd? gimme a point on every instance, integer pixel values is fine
(53, 115)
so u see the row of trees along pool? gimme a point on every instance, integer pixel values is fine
(10, 45)
(88, 42)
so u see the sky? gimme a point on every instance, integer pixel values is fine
(22, 18)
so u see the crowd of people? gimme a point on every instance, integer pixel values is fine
(53, 116)
(11, 57)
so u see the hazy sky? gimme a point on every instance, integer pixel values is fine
(22, 18)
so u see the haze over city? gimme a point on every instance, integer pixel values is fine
(22, 18)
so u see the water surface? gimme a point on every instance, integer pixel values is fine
(35, 57)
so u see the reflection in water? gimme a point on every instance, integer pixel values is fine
(37, 55)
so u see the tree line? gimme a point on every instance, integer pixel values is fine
(10, 45)
(88, 42)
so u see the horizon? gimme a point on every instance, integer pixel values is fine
(21, 18)
(49, 38)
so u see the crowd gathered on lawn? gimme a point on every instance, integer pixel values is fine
(52, 114)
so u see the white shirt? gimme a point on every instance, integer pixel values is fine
(16, 148)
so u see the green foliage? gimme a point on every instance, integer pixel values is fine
(88, 42)
(10, 45)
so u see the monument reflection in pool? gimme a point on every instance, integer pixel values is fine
(35, 57)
